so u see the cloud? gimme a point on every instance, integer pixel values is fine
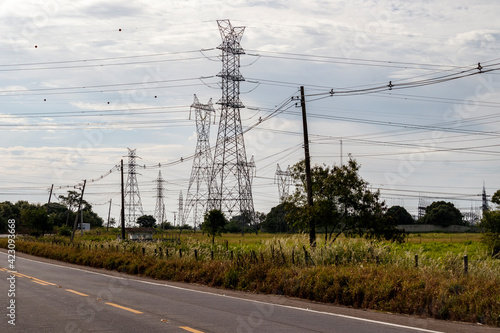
(65, 144)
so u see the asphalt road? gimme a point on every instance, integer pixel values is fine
(58, 297)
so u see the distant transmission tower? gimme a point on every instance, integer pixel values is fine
(485, 207)
(283, 179)
(422, 205)
(181, 220)
(199, 183)
(133, 205)
(159, 214)
(231, 184)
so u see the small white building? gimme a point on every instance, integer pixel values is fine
(140, 233)
(86, 226)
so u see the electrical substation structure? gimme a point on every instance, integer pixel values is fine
(201, 171)
(159, 214)
(283, 179)
(231, 184)
(133, 204)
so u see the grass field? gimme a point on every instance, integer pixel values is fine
(351, 272)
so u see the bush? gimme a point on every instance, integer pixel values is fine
(64, 231)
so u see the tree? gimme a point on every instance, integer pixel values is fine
(275, 221)
(165, 225)
(234, 225)
(399, 215)
(343, 203)
(36, 219)
(185, 226)
(8, 211)
(146, 221)
(71, 201)
(214, 223)
(496, 198)
(490, 223)
(58, 213)
(442, 213)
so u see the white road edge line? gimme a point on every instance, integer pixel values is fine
(241, 299)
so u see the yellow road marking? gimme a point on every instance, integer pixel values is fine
(34, 279)
(189, 329)
(76, 292)
(43, 284)
(42, 281)
(123, 308)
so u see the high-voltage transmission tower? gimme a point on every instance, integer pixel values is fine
(159, 214)
(231, 184)
(423, 203)
(133, 204)
(181, 220)
(283, 179)
(485, 207)
(197, 195)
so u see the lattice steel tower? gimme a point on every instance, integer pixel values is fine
(283, 179)
(485, 207)
(133, 204)
(197, 194)
(181, 220)
(159, 214)
(231, 187)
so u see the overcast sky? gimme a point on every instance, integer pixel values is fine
(80, 81)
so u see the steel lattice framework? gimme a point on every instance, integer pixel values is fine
(484, 206)
(199, 183)
(181, 209)
(283, 179)
(159, 214)
(231, 187)
(133, 204)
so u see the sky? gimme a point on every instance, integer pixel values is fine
(82, 81)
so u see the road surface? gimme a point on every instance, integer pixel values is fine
(57, 297)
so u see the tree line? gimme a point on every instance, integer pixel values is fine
(38, 219)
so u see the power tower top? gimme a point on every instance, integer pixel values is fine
(283, 179)
(231, 37)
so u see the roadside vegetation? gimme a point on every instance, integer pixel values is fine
(354, 272)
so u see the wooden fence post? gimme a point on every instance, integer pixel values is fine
(416, 260)
(466, 264)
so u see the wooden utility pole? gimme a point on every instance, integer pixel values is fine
(312, 223)
(109, 213)
(123, 203)
(79, 207)
(50, 194)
